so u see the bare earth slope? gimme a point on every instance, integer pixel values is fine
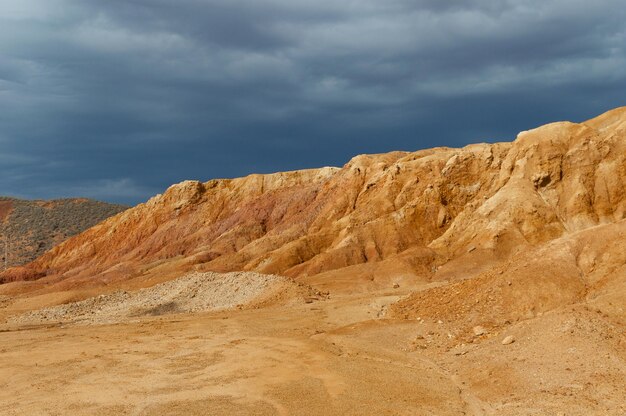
(433, 205)
(33, 227)
(488, 280)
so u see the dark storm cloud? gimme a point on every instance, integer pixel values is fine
(118, 99)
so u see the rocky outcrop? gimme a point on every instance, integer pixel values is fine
(403, 214)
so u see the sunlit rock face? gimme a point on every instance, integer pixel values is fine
(398, 214)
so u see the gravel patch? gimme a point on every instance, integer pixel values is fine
(195, 292)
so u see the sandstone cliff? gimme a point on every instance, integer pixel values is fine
(402, 216)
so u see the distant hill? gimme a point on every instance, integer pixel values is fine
(30, 228)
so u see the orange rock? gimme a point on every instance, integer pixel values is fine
(380, 217)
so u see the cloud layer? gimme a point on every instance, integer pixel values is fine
(118, 99)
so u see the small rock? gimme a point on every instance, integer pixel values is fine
(479, 330)
(471, 249)
(440, 321)
(395, 285)
(508, 340)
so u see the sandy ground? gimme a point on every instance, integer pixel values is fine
(333, 356)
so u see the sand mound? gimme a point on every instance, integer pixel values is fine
(195, 292)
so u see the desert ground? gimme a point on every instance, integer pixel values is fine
(312, 354)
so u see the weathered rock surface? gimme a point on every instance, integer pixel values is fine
(401, 215)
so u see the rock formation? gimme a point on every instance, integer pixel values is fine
(402, 215)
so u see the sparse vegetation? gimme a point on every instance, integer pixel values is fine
(33, 227)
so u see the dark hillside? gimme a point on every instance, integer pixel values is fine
(30, 228)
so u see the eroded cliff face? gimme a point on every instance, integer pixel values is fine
(402, 214)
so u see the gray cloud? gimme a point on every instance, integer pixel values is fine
(119, 99)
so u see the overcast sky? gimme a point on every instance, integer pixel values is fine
(116, 100)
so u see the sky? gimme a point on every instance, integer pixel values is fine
(116, 100)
